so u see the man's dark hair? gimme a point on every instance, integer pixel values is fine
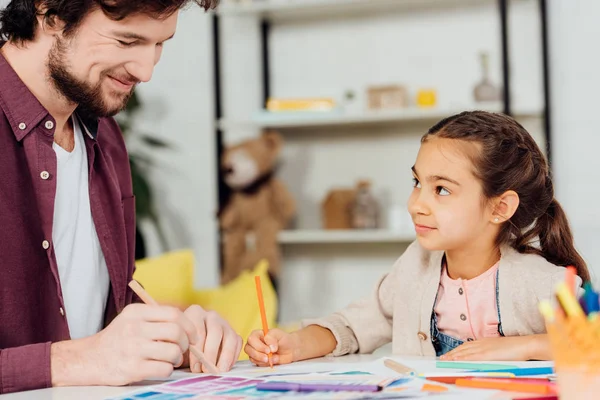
(18, 20)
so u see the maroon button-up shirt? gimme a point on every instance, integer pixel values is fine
(31, 302)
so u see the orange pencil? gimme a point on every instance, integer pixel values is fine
(147, 299)
(508, 385)
(263, 314)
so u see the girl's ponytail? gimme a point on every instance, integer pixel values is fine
(555, 240)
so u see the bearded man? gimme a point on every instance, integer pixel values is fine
(67, 211)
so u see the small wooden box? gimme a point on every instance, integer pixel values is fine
(336, 209)
(387, 97)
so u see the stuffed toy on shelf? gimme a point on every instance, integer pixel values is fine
(257, 209)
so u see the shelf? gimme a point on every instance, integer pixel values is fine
(306, 9)
(342, 236)
(326, 119)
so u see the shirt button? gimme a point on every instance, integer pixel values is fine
(22, 126)
(463, 317)
(49, 124)
(422, 336)
(460, 291)
(46, 245)
(45, 175)
(62, 312)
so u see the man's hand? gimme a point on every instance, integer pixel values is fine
(142, 342)
(219, 342)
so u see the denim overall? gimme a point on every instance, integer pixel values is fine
(444, 343)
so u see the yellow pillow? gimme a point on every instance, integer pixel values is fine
(169, 279)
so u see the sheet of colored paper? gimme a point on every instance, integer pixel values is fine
(221, 387)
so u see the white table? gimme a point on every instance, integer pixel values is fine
(102, 392)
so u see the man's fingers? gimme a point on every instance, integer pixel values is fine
(228, 351)
(198, 316)
(166, 332)
(195, 365)
(219, 343)
(170, 314)
(158, 313)
(214, 336)
(154, 369)
(190, 329)
(238, 350)
(162, 351)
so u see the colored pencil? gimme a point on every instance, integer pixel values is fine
(570, 279)
(399, 368)
(451, 380)
(315, 387)
(568, 301)
(480, 367)
(523, 371)
(511, 385)
(263, 314)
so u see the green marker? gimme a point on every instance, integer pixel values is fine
(471, 366)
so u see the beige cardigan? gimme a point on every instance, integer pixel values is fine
(399, 310)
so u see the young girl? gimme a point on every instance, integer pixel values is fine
(490, 240)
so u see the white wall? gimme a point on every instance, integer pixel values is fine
(325, 57)
(180, 109)
(575, 63)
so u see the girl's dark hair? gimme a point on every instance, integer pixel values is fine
(511, 160)
(18, 20)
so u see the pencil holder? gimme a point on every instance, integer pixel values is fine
(576, 349)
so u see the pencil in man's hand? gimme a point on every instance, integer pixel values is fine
(147, 299)
(142, 294)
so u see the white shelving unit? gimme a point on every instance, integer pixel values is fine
(276, 10)
(321, 236)
(309, 48)
(330, 119)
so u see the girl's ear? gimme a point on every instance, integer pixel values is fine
(505, 206)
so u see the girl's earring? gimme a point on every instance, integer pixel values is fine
(496, 220)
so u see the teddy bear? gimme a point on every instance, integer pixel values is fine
(258, 207)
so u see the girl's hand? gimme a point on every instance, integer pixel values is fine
(283, 345)
(515, 348)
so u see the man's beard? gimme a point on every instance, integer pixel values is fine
(88, 97)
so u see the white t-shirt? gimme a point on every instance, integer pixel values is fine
(81, 264)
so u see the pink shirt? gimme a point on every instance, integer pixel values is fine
(467, 309)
